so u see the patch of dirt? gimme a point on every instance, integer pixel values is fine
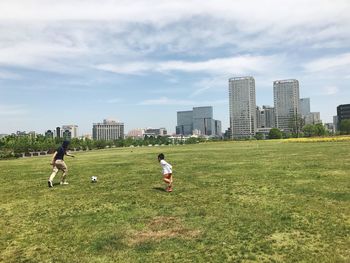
(162, 228)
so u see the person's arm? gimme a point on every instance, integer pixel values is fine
(53, 158)
(68, 154)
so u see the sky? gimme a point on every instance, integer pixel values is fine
(139, 62)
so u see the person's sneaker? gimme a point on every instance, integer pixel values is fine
(50, 184)
(169, 189)
(64, 183)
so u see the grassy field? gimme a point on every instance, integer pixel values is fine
(232, 202)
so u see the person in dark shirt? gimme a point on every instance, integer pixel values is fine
(59, 164)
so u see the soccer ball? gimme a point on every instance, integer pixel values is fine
(93, 179)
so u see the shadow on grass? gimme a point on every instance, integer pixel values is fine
(159, 189)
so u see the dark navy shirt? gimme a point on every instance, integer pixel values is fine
(60, 153)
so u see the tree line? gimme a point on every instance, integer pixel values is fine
(15, 146)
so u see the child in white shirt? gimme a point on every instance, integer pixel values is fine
(167, 172)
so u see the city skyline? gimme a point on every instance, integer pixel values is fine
(78, 62)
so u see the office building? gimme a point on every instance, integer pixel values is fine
(184, 122)
(108, 130)
(343, 113)
(286, 102)
(199, 121)
(242, 107)
(304, 107)
(72, 129)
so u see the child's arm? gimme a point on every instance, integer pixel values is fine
(53, 158)
(68, 154)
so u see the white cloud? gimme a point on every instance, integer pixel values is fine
(171, 102)
(232, 65)
(337, 62)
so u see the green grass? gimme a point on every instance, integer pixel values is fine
(232, 202)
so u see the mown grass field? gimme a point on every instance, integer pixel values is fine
(232, 202)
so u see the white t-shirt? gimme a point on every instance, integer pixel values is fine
(167, 168)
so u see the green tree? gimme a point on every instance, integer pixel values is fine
(259, 136)
(345, 126)
(275, 134)
(309, 130)
(320, 129)
(296, 123)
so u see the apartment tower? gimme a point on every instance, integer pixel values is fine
(242, 107)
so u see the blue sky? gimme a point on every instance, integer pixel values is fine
(79, 62)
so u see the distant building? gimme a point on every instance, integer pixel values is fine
(49, 134)
(270, 117)
(343, 113)
(313, 118)
(73, 129)
(136, 133)
(184, 122)
(108, 130)
(67, 135)
(199, 121)
(58, 132)
(242, 103)
(304, 107)
(155, 132)
(286, 102)
(218, 128)
(335, 122)
(330, 127)
(265, 117)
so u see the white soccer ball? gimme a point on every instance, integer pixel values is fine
(94, 179)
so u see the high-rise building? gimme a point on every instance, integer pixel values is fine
(184, 122)
(286, 100)
(199, 121)
(242, 107)
(343, 113)
(304, 107)
(108, 130)
(203, 120)
(73, 129)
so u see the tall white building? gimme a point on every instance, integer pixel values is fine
(242, 107)
(286, 100)
(108, 130)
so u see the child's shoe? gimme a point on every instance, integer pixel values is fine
(169, 189)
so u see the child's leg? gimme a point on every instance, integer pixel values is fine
(167, 178)
(54, 172)
(64, 169)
